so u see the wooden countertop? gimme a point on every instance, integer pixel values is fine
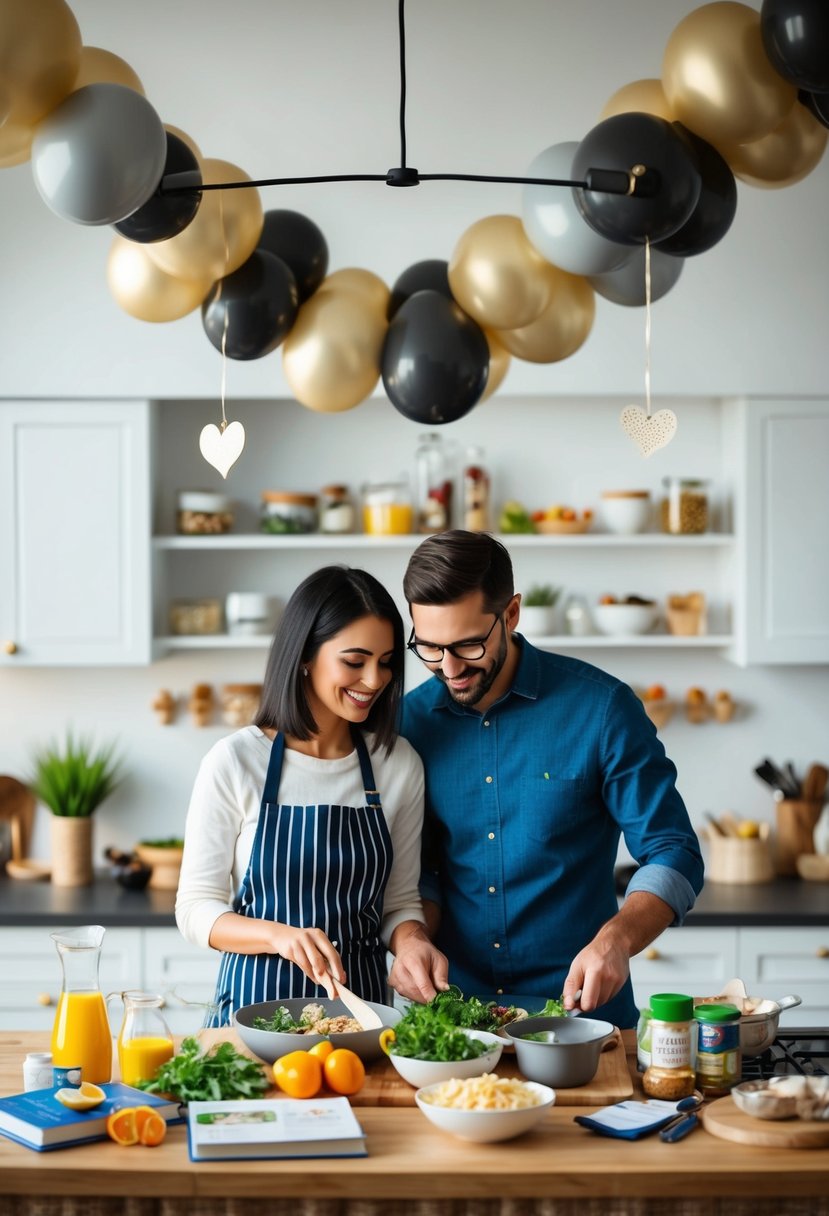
(409, 1159)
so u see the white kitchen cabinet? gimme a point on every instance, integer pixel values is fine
(184, 975)
(74, 526)
(32, 976)
(782, 505)
(695, 961)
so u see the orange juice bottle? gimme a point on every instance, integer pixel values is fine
(144, 1040)
(81, 1036)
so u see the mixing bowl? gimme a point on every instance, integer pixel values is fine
(572, 1059)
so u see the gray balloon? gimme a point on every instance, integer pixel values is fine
(99, 155)
(627, 284)
(556, 227)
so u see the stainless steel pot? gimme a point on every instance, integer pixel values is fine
(759, 1030)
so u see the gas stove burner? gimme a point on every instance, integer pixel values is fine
(803, 1050)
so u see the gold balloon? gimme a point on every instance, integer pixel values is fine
(785, 156)
(222, 236)
(40, 50)
(102, 67)
(186, 139)
(362, 281)
(640, 96)
(15, 143)
(146, 292)
(563, 326)
(499, 361)
(718, 79)
(331, 357)
(497, 276)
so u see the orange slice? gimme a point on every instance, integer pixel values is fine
(150, 1126)
(122, 1126)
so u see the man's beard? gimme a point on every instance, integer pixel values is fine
(487, 677)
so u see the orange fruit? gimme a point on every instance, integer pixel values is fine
(299, 1074)
(150, 1126)
(322, 1049)
(121, 1126)
(344, 1071)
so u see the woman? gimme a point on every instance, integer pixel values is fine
(293, 866)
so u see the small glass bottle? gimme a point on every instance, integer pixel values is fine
(719, 1057)
(337, 513)
(433, 485)
(684, 508)
(670, 1074)
(475, 492)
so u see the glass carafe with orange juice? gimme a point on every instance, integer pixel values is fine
(81, 1036)
(144, 1040)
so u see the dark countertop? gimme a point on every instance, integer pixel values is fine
(786, 902)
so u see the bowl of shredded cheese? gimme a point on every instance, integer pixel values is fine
(485, 1108)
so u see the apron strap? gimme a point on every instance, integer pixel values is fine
(270, 792)
(369, 784)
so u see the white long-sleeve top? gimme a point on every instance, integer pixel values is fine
(224, 809)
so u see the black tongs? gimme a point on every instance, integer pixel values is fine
(783, 781)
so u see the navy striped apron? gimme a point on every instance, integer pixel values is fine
(323, 866)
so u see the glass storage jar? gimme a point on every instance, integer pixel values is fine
(719, 1057)
(201, 513)
(196, 616)
(670, 1074)
(475, 492)
(287, 513)
(434, 484)
(387, 508)
(337, 512)
(684, 506)
(240, 703)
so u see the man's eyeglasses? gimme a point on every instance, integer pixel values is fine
(430, 653)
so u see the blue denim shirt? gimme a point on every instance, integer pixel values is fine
(525, 805)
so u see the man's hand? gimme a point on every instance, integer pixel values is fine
(420, 970)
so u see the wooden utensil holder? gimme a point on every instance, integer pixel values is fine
(796, 819)
(735, 860)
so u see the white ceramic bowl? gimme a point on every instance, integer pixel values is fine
(487, 1126)
(624, 620)
(432, 1072)
(626, 511)
(269, 1045)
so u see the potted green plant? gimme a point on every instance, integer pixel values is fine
(72, 782)
(538, 603)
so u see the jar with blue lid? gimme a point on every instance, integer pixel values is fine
(719, 1057)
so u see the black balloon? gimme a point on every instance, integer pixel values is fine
(716, 206)
(817, 104)
(298, 241)
(431, 275)
(251, 310)
(435, 360)
(622, 142)
(165, 215)
(796, 41)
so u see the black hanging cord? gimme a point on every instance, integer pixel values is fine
(639, 181)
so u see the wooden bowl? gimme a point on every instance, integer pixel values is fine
(165, 865)
(812, 866)
(562, 527)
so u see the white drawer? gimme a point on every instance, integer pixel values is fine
(776, 962)
(696, 962)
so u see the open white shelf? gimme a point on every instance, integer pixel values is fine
(517, 540)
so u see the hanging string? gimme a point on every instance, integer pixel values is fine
(223, 425)
(647, 327)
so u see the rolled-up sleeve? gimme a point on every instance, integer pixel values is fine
(401, 901)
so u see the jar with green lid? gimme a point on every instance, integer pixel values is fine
(719, 1057)
(684, 508)
(670, 1074)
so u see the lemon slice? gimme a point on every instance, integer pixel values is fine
(87, 1097)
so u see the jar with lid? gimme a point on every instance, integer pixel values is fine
(337, 512)
(387, 508)
(37, 1070)
(670, 1074)
(286, 513)
(475, 491)
(719, 1057)
(202, 513)
(434, 484)
(684, 508)
(240, 703)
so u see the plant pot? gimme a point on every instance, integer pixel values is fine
(71, 840)
(165, 864)
(537, 620)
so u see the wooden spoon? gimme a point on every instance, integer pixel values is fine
(365, 1015)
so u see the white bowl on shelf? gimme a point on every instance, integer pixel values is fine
(625, 620)
(626, 512)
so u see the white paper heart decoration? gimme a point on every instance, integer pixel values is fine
(222, 448)
(649, 431)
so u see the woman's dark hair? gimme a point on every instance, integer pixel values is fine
(450, 565)
(321, 606)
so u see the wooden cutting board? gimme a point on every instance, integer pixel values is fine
(612, 1083)
(724, 1118)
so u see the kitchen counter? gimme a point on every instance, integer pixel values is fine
(413, 1168)
(785, 902)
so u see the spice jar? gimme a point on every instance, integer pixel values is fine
(475, 490)
(240, 703)
(719, 1057)
(201, 513)
(387, 508)
(670, 1074)
(434, 485)
(37, 1070)
(191, 617)
(337, 512)
(684, 507)
(286, 513)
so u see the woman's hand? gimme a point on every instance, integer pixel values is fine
(311, 951)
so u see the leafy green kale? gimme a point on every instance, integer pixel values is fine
(280, 1020)
(553, 1009)
(220, 1073)
(426, 1036)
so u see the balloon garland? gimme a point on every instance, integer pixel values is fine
(741, 95)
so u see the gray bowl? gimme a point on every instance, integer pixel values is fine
(269, 1045)
(570, 1061)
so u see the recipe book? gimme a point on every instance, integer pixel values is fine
(36, 1118)
(274, 1127)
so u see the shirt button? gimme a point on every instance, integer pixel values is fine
(490, 836)
(489, 781)
(496, 945)
(491, 890)
(499, 992)
(486, 722)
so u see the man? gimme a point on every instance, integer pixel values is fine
(535, 764)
